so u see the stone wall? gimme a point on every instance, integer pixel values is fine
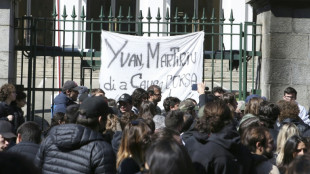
(285, 52)
(7, 60)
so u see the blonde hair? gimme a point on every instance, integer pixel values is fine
(286, 131)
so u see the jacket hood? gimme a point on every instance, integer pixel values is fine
(72, 136)
(228, 137)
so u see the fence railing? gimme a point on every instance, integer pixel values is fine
(53, 49)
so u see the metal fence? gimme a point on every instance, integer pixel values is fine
(56, 46)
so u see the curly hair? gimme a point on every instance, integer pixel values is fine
(288, 109)
(138, 95)
(6, 90)
(268, 113)
(112, 121)
(216, 115)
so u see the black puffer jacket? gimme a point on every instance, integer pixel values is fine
(220, 153)
(72, 148)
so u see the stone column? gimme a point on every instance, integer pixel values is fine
(7, 59)
(285, 47)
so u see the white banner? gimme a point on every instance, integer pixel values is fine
(174, 63)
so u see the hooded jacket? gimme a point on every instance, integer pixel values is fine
(72, 148)
(221, 152)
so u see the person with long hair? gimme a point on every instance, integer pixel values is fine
(300, 165)
(294, 146)
(130, 155)
(138, 96)
(166, 156)
(286, 131)
(147, 110)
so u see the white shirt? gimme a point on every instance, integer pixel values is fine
(303, 114)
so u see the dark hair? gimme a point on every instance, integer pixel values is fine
(188, 120)
(174, 120)
(252, 135)
(168, 157)
(126, 118)
(210, 98)
(300, 165)
(290, 90)
(135, 139)
(6, 90)
(150, 124)
(164, 133)
(20, 95)
(58, 117)
(230, 99)
(288, 109)
(30, 131)
(289, 148)
(138, 95)
(170, 102)
(268, 113)
(151, 89)
(147, 110)
(216, 115)
(218, 90)
(72, 113)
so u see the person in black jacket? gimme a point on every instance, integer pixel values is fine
(28, 140)
(67, 97)
(221, 152)
(17, 109)
(7, 96)
(79, 148)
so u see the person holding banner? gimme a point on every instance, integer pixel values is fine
(154, 93)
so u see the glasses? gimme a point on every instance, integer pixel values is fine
(157, 94)
(304, 150)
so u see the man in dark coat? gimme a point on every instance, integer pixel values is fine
(79, 148)
(28, 140)
(67, 97)
(222, 151)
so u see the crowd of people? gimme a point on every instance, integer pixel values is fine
(90, 133)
